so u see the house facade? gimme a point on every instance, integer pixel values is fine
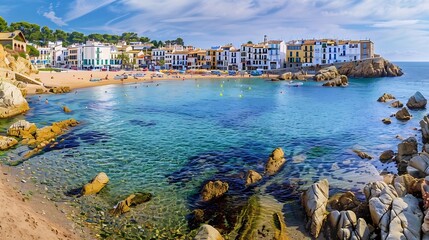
(16, 40)
(95, 55)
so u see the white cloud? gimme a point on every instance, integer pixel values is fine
(52, 16)
(79, 8)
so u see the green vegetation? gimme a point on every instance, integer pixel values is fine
(42, 35)
(32, 51)
(49, 70)
(23, 55)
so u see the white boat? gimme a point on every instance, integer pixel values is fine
(294, 84)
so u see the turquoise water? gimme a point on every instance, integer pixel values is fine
(170, 139)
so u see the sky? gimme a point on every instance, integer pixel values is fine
(399, 28)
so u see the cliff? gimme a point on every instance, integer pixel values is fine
(370, 68)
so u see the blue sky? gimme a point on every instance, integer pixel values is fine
(399, 28)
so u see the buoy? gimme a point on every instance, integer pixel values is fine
(240, 96)
(221, 94)
(221, 85)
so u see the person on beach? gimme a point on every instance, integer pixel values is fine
(107, 76)
(46, 101)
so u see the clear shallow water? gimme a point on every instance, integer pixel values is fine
(170, 139)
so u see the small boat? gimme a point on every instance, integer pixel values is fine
(294, 84)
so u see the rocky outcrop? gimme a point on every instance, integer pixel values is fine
(407, 184)
(370, 68)
(403, 115)
(7, 142)
(314, 201)
(19, 64)
(58, 90)
(386, 121)
(275, 161)
(385, 97)
(340, 81)
(261, 218)
(397, 104)
(22, 129)
(406, 150)
(132, 200)
(405, 219)
(11, 100)
(66, 109)
(213, 190)
(207, 232)
(326, 74)
(96, 184)
(424, 125)
(252, 177)
(286, 76)
(345, 225)
(420, 162)
(417, 101)
(387, 155)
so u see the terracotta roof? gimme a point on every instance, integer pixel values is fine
(275, 41)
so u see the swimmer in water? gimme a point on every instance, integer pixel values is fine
(46, 101)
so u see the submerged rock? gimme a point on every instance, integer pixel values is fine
(386, 121)
(417, 101)
(132, 200)
(275, 162)
(213, 190)
(387, 155)
(403, 115)
(385, 97)
(66, 109)
(96, 184)
(262, 218)
(252, 177)
(207, 232)
(11, 100)
(326, 74)
(397, 104)
(314, 201)
(7, 142)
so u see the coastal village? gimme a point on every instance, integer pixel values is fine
(393, 207)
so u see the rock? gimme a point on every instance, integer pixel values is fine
(345, 225)
(386, 121)
(374, 189)
(326, 74)
(286, 76)
(66, 109)
(403, 115)
(420, 162)
(213, 190)
(275, 162)
(407, 184)
(405, 219)
(362, 155)
(58, 90)
(343, 201)
(314, 201)
(207, 232)
(406, 150)
(7, 142)
(387, 155)
(252, 177)
(396, 104)
(417, 101)
(11, 100)
(370, 68)
(340, 81)
(385, 97)
(40, 90)
(20, 65)
(21, 128)
(261, 218)
(132, 200)
(379, 207)
(424, 125)
(299, 76)
(96, 184)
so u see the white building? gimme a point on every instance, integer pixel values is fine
(45, 57)
(179, 59)
(267, 55)
(60, 54)
(349, 51)
(276, 54)
(75, 56)
(95, 55)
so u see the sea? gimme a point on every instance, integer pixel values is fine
(170, 137)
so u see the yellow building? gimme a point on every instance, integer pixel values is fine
(294, 54)
(211, 59)
(308, 49)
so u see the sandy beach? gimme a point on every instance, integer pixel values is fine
(27, 214)
(81, 79)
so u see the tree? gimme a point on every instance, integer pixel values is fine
(125, 60)
(179, 41)
(32, 51)
(144, 39)
(129, 37)
(60, 35)
(31, 31)
(47, 35)
(76, 37)
(249, 42)
(96, 37)
(3, 25)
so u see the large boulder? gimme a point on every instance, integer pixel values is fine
(286, 76)
(207, 232)
(407, 184)
(252, 177)
(7, 142)
(96, 184)
(275, 161)
(424, 124)
(403, 115)
(61, 89)
(385, 97)
(405, 219)
(397, 104)
(11, 100)
(379, 207)
(417, 101)
(420, 162)
(387, 155)
(132, 200)
(314, 201)
(406, 150)
(21, 129)
(213, 190)
(340, 81)
(261, 218)
(370, 68)
(326, 74)
(345, 225)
